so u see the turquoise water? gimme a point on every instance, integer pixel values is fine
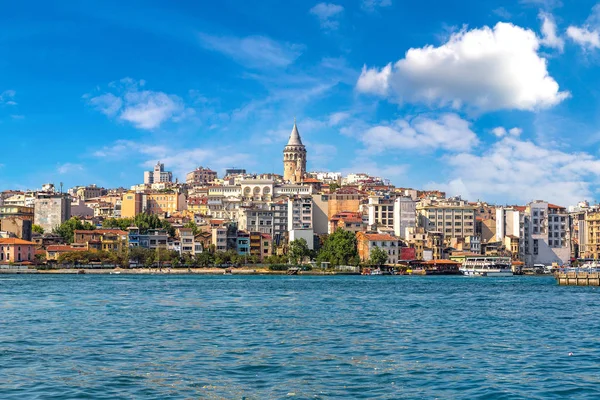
(234, 337)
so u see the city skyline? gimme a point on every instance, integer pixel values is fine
(489, 101)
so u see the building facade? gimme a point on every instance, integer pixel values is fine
(157, 175)
(51, 210)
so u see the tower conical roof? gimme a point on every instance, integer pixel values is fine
(295, 137)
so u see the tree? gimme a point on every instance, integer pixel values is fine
(204, 259)
(192, 225)
(67, 229)
(298, 250)
(339, 248)
(378, 256)
(333, 187)
(117, 223)
(37, 229)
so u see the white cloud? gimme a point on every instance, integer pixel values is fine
(338, 117)
(448, 132)
(148, 110)
(68, 168)
(549, 36)
(372, 5)
(252, 51)
(487, 69)
(108, 103)
(145, 109)
(501, 131)
(328, 14)
(515, 131)
(516, 170)
(7, 98)
(584, 36)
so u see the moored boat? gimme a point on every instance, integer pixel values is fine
(487, 266)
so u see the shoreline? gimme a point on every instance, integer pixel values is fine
(162, 271)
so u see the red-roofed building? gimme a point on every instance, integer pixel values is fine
(13, 250)
(348, 221)
(54, 251)
(390, 244)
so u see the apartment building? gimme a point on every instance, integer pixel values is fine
(200, 176)
(453, 218)
(388, 243)
(546, 234)
(157, 175)
(404, 215)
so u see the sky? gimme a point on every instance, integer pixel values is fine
(491, 100)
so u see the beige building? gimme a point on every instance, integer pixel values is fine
(132, 204)
(200, 176)
(344, 200)
(454, 219)
(294, 158)
(592, 228)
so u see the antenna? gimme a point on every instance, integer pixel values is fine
(61, 187)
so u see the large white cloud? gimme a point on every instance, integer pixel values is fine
(145, 109)
(487, 69)
(517, 170)
(448, 132)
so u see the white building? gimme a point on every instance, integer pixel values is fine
(546, 234)
(300, 222)
(405, 215)
(157, 175)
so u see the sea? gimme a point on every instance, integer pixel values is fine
(297, 337)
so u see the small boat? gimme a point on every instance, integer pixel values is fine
(293, 271)
(115, 272)
(228, 271)
(81, 271)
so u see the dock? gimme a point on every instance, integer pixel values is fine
(578, 278)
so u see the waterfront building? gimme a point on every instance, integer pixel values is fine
(546, 234)
(390, 244)
(102, 239)
(294, 158)
(157, 175)
(53, 251)
(16, 250)
(416, 239)
(219, 238)
(51, 210)
(152, 239)
(453, 218)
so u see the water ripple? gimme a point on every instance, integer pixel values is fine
(254, 337)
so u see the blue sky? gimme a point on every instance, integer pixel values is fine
(494, 100)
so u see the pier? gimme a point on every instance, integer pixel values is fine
(577, 277)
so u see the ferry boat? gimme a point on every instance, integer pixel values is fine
(487, 266)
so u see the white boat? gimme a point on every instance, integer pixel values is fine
(487, 266)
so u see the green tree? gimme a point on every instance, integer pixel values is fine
(192, 225)
(117, 223)
(204, 259)
(298, 250)
(339, 248)
(37, 229)
(67, 229)
(333, 187)
(378, 256)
